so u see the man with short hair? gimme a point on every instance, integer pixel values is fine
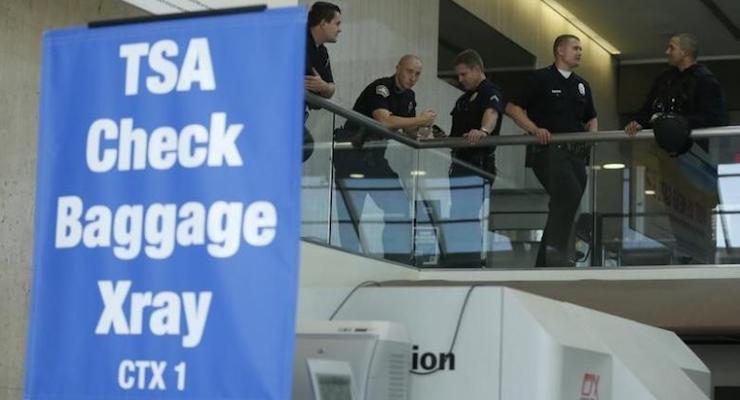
(365, 172)
(557, 100)
(324, 26)
(687, 88)
(477, 114)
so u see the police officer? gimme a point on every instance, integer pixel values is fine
(364, 172)
(324, 26)
(557, 100)
(687, 88)
(477, 114)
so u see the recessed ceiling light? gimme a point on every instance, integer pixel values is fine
(613, 166)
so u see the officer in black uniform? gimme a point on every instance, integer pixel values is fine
(364, 171)
(687, 88)
(557, 100)
(324, 26)
(477, 114)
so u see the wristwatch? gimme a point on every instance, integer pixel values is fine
(485, 130)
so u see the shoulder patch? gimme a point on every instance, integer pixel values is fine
(495, 98)
(582, 89)
(382, 90)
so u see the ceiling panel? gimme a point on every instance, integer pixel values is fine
(731, 8)
(460, 30)
(176, 6)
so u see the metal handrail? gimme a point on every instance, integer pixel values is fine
(351, 115)
(501, 140)
(375, 127)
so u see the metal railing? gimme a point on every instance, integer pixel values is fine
(502, 140)
(441, 146)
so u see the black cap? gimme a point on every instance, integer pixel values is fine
(672, 133)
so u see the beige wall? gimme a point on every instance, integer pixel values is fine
(21, 25)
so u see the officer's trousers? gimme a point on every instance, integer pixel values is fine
(563, 176)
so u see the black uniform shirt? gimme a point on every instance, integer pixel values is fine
(694, 93)
(558, 104)
(318, 58)
(384, 94)
(470, 107)
(468, 115)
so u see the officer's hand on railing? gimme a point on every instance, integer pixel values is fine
(423, 133)
(474, 135)
(543, 135)
(314, 83)
(429, 132)
(632, 128)
(428, 117)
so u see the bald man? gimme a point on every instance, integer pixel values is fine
(364, 171)
(392, 102)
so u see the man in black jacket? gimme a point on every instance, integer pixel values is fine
(690, 90)
(687, 88)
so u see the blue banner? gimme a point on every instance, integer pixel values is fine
(167, 209)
